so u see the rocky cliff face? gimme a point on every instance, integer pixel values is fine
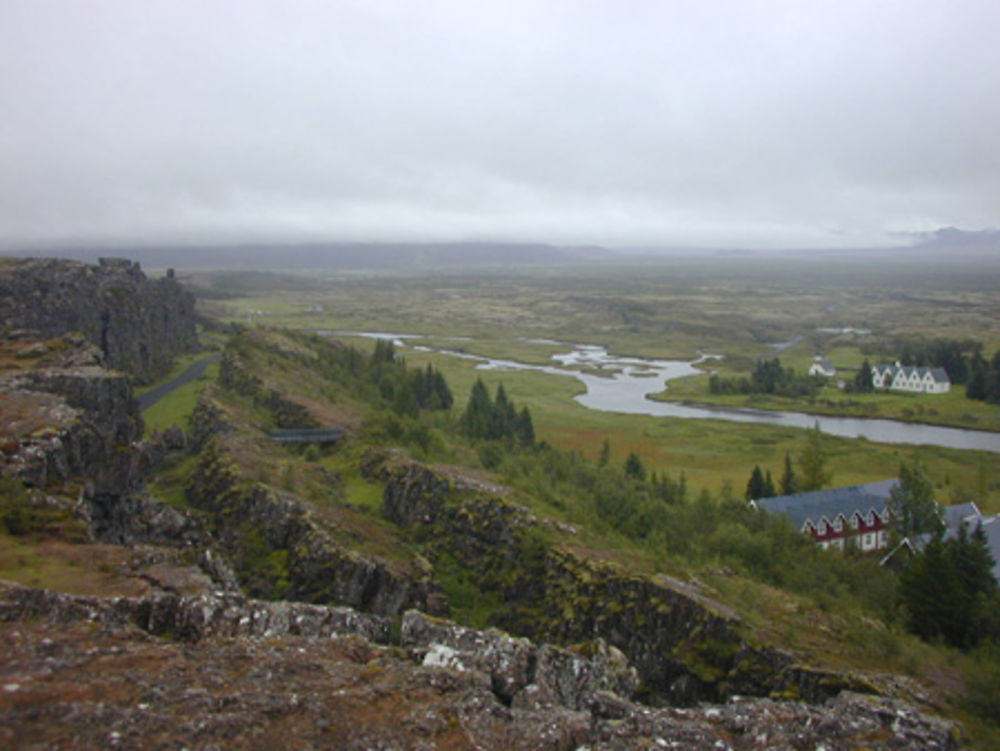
(167, 671)
(65, 417)
(260, 526)
(138, 324)
(685, 646)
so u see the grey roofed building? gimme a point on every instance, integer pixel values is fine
(855, 515)
(829, 503)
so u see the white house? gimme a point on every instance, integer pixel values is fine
(821, 367)
(910, 378)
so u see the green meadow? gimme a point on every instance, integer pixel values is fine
(734, 307)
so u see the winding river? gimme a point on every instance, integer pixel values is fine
(622, 384)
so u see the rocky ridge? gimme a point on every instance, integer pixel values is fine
(213, 672)
(685, 646)
(65, 417)
(138, 324)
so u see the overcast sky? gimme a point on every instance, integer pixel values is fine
(651, 122)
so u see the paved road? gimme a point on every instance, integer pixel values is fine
(195, 370)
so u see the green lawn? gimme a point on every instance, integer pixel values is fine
(952, 409)
(177, 406)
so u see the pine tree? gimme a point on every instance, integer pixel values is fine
(525, 428)
(863, 383)
(768, 485)
(756, 487)
(504, 416)
(789, 482)
(634, 467)
(477, 420)
(976, 388)
(936, 606)
(440, 388)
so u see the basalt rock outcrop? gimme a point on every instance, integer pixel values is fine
(138, 324)
(164, 671)
(63, 421)
(70, 425)
(257, 524)
(685, 646)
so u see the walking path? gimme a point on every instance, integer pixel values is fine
(195, 370)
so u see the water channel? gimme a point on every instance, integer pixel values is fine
(622, 384)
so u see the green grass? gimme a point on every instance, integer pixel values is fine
(177, 406)
(952, 409)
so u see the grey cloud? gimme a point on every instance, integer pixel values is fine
(719, 123)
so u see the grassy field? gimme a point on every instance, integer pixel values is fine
(175, 407)
(952, 408)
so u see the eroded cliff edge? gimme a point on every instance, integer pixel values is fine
(138, 324)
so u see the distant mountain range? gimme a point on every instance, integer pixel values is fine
(951, 237)
(346, 256)
(416, 256)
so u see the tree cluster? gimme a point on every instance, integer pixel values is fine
(951, 354)
(767, 377)
(984, 378)
(948, 591)
(812, 474)
(760, 484)
(863, 382)
(407, 390)
(496, 418)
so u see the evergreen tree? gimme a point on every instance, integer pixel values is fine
(993, 379)
(912, 504)
(978, 376)
(504, 416)
(756, 487)
(477, 419)
(975, 561)
(936, 605)
(634, 467)
(949, 592)
(441, 390)
(789, 482)
(768, 485)
(525, 428)
(863, 383)
(404, 401)
(812, 462)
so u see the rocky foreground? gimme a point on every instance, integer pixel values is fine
(221, 671)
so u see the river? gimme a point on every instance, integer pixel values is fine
(623, 385)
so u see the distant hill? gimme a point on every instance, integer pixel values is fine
(954, 238)
(345, 256)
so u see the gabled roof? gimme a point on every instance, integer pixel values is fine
(800, 507)
(940, 375)
(953, 515)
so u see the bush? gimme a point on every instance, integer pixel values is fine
(17, 517)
